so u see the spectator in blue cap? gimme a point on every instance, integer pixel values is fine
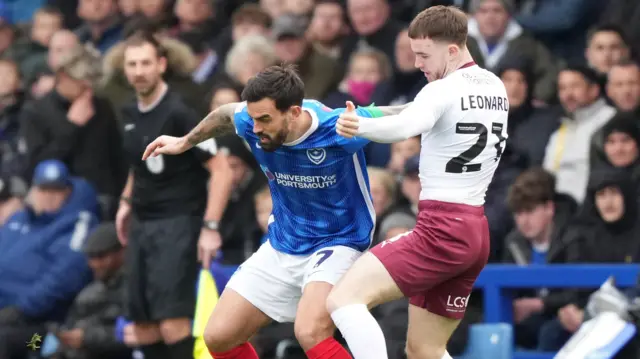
(42, 266)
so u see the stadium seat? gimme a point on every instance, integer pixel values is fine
(490, 341)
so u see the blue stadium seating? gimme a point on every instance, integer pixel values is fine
(490, 341)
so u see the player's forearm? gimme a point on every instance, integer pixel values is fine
(220, 186)
(218, 122)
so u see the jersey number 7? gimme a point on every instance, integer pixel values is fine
(461, 163)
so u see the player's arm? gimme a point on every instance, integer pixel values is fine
(389, 110)
(414, 119)
(218, 122)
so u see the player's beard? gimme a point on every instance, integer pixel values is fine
(149, 89)
(276, 140)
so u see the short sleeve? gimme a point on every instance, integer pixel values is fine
(186, 120)
(355, 144)
(242, 120)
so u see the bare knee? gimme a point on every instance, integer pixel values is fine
(311, 332)
(416, 350)
(175, 330)
(219, 338)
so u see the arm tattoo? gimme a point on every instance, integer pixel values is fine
(392, 110)
(217, 123)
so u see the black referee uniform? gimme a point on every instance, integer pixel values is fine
(168, 201)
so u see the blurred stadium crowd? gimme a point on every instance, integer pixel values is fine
(566, 190)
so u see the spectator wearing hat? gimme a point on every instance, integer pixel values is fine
(586, 111)
(617, 145)
(42, 267)
(12, 193)
(73, 125)
(89, 330)
(499, 37)
(319, 72)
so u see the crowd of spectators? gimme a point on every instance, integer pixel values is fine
(566, 190)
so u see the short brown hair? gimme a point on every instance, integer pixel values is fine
(533, 187)
(251, 14)
(140, 38)
(440, 23)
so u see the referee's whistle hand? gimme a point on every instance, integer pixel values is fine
(348, 123)
(167, 145)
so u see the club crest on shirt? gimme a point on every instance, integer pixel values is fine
(316, 155)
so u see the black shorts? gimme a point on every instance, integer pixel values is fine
(162, 268)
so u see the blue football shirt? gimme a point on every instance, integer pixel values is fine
(319, 185)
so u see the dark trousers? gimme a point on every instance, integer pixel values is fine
(14, 339)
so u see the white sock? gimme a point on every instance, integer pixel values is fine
(446, 355)
(361, 331)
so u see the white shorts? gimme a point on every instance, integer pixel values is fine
(273, 281)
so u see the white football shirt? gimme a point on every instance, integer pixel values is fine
(463, 122)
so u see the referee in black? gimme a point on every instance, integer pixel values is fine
(166, 217)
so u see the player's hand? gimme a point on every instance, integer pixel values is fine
(208, 246)
(349, 122)
(167, 145)
(122, 222)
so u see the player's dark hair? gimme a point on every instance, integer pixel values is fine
(144, 37)
(607, 28)
(279, 83)
(533, 187)
(440, 23)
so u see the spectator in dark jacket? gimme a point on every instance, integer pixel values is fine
(102, 24)
(529, 127)
(541, 218)
(606, 231)
(74, 126)
(617, 145)
(89, 330)
(42, 267)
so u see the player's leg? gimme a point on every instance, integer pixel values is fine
(428, 334)
(314, 327)
(233, 322)
(259, 291)
(366, 285)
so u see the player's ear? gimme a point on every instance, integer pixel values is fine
(453, 50)
(295, 111)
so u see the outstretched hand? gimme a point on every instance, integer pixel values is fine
(166, 145)
(349, 122)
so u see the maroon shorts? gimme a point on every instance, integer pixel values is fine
(436, 264)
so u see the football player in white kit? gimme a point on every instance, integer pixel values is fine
(462, 117)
